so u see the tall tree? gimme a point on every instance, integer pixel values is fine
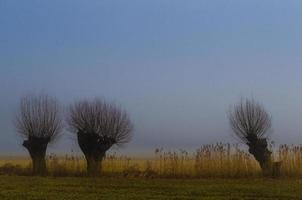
(39, 122)
(98, 125)
(251, 123)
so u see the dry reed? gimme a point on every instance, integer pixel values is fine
(215, 160)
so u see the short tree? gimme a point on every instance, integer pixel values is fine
(98, 125)
(251, 123)
(39, 122)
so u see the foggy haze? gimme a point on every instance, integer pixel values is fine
(175, 66)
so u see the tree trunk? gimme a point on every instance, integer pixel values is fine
(94, 165)
(259, 150)
(94, 148)
(39, 166)
(266, 167)
(37, 150)
(276, 171)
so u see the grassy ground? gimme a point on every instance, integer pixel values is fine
(34, 188)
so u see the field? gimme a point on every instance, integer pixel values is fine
(219, 171)
(209, 161)
(34, 188)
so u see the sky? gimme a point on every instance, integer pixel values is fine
(176, 66)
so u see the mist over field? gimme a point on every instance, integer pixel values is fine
(150, 99)
(175, 66)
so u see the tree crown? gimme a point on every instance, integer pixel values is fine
(38, 117)
(249, 120)
(101, 118)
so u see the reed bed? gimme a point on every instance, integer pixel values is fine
(215, 160)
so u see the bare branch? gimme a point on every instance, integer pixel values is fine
(249, 120)
(99, 117)
(39, 116)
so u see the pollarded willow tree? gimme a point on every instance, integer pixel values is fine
(251, 123)
(39, 122)
(98, 125)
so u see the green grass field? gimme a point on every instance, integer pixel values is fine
(34, 188)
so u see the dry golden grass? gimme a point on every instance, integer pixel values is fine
(217, 160)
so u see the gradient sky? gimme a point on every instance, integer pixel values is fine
(175, 65)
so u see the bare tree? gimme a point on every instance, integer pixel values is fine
(251, 123)
(98, 125)
(39, 122)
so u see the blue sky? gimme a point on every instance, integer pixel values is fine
(175, 65)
